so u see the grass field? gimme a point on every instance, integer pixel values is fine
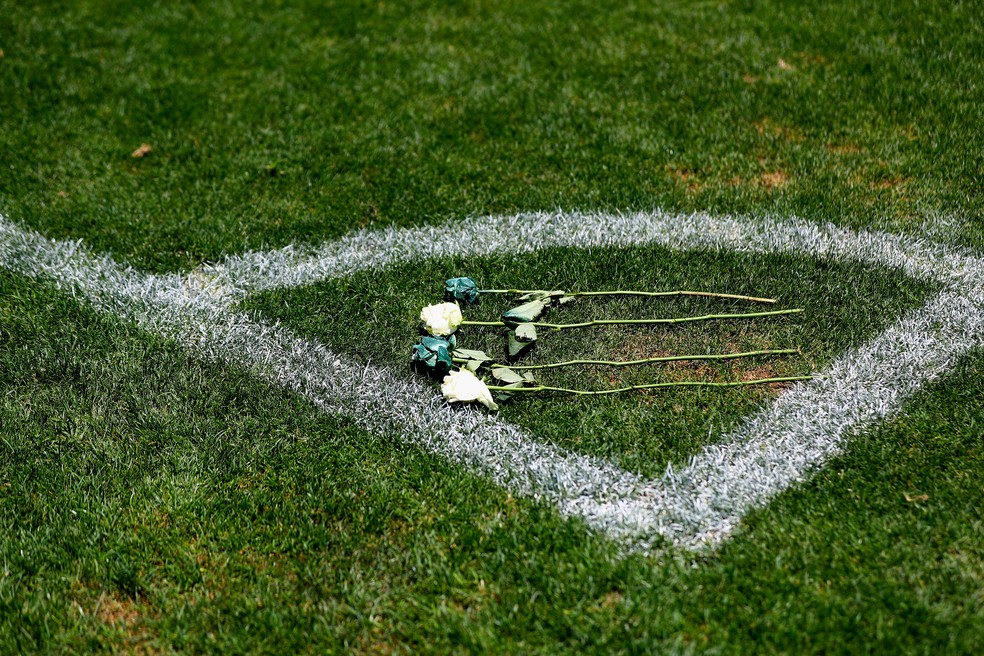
(153, 500)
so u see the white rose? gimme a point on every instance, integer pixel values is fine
(464, 386)
(441, 319)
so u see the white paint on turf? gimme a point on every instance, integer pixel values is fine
(523, 233)
(696, 506)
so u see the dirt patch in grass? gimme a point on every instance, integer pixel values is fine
(890, 183)
(646, 345)
(126, 617)
(685, 177)
(768, 127)
(111, 610)
(609, 600)
(774, 179)
(768, 180)
(766, 369)
(639, 346)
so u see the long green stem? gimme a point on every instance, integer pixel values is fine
(620, 292)
(682, 383)
(622, 322)
(629, 363)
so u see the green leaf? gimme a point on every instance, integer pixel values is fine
(475, 360)
(526, 332)
(514, 347)
(501, 395)
(506, 375)
(542, 295)
(526, 312)
(471, 355)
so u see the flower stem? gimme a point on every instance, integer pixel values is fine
(629, 363)
(682, 383)
(621, 292)
(621, 322)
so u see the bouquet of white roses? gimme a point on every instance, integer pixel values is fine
(438, 355)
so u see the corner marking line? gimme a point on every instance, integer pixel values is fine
(694, 507)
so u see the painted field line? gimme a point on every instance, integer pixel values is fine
(701, 503)
(195, 314)
(378, 249)
(696, 506)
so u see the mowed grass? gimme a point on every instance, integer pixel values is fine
(154, 503)
(151, 502)
(272, 122)
(374, 317)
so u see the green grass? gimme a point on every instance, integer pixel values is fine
(374, 317)
(151, 502)
(277, 123)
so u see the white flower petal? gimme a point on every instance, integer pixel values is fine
(463, 386)
(441, 319)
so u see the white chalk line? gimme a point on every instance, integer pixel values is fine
(697, 506)
(378, 249)
(196, 315)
